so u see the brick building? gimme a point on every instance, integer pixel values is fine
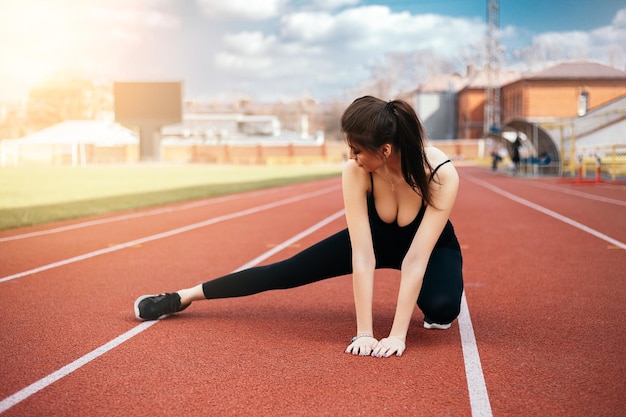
(456, 103)
(471, 101)
(554, 109)
(565, 90)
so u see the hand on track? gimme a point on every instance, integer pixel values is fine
(388, 346)
(362, 345)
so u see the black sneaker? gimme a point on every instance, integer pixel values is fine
(156, 307)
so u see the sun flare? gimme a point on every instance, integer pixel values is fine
(39, 38)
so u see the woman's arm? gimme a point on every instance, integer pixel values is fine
(444, 189)
(355, 182)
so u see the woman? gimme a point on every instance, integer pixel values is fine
(398, 195)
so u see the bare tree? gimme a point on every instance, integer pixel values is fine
(404, 71)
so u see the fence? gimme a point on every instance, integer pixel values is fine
(14, 152)
(609, 160)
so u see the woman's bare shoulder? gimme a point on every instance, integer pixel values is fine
(350, 166)
(355, 176)
(352, 169)
(435, 156)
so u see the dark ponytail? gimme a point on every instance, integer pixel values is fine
(370, 123)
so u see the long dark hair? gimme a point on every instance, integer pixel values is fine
(370, 123)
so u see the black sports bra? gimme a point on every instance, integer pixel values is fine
(432, 174)
(377, 222)
(398, 234)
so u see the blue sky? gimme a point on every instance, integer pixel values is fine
(288, 49)
(532, 15)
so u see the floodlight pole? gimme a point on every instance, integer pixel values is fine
(492, 119)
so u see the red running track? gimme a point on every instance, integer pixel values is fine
(543, 334)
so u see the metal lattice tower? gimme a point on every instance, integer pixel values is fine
(492, 90)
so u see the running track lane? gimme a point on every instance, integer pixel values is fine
(261, 232)
(300, 315)
(546, 293)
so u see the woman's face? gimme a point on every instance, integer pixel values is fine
(366, 159)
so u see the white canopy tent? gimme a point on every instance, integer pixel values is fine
(67, 138)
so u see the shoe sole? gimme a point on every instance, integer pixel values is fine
(436, 326)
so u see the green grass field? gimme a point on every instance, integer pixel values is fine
(33, 195)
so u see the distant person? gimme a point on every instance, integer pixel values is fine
(495, 158)
(515, 155)
(398, 195)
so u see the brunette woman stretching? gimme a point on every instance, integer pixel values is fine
(398, 194)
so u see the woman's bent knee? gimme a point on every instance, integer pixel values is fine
(441, 309)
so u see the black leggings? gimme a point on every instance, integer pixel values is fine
(439, 298)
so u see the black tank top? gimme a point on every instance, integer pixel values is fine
(393, 240)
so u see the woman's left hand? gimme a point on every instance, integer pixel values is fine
(362, 345)
(388, 346)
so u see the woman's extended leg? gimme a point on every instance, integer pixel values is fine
(329, 258)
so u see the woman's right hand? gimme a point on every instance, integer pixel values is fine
(362, 345)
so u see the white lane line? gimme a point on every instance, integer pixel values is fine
(544, 210)
(46, 381)
(479, 399)
(143, 213)
(171, 232)
(578, 193)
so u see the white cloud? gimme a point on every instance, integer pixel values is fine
(325, 51)
(333, 4)
(242, 9)
(242, 64)
(377, 29)
(620, 19)
(249, 43)
(265, 47)
(604, 44)
(308, 27)
(556, 45)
